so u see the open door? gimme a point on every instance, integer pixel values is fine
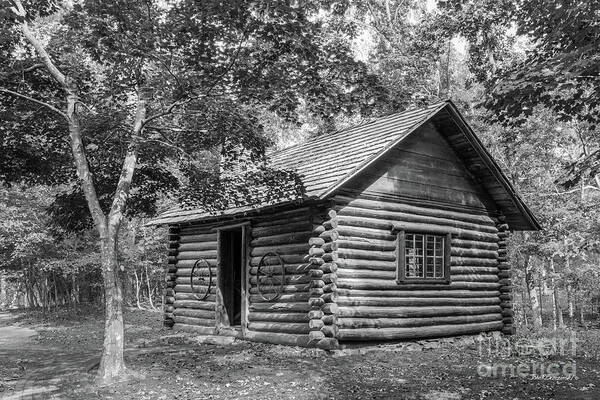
(232, 248)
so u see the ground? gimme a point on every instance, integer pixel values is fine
(56, 357)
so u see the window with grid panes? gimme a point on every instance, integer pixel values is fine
(423, 257)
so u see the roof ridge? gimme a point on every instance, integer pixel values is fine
(362, 125)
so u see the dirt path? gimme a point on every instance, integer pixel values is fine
(30, 370)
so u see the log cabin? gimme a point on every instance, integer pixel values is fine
(401, 234)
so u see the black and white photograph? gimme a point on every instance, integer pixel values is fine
(300, 199)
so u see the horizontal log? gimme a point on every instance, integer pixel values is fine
(418, 332)
(200, 289)
(412, 209)
(280, 307)
(357, 323)
(289, 280)
(399, 312)
(474, 244)
(465, 261)
(181, 264)
(281, 239)
(198, 238)
(195, 313)
(296, 248)
(398, 216)
(193, 321)
(348, 242)
(415, 301)
(279, 327)
(202, 305)
(367, 233)
(198, 272)
(304, 287)
(278, 317)
(365, 273)
(278, 338)
(475, 278)
(458, 270)
(276, 269)
(383, 284)
(198, 246)
(377, 265)
(367, 254)
(194, 296)
(441, 292)
(286, 258)
(477, 253)
(198, 281)
(289, 227)
(288, 297)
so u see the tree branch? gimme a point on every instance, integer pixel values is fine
(19, 10)
(117, 208)
(56, 110)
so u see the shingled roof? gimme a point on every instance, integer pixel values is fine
(326, 162)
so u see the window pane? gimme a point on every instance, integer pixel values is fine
(439, 267)
(424, 256)
(439, 246)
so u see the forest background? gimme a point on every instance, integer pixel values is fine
(525, 74)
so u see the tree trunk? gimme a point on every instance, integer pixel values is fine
(149, 289)
(3, 291)
(112, 365)
(580, 301)
(137, 289)
(571, 307)
(556, 311)
(536, 317)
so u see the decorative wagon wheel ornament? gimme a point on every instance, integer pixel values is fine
(205, 282)
(267, 277)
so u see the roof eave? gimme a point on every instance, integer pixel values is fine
(494, 168)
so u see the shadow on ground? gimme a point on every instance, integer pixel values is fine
(42, 360)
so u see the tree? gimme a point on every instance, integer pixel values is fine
(153, 94)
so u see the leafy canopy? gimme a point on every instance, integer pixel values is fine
(205, 68)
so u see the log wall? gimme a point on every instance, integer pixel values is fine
(372, 305)
(189, 312)
(283, 320)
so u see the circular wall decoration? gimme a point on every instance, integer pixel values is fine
(270, 279)
(199, 282)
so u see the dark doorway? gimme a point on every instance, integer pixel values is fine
(231, 248)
